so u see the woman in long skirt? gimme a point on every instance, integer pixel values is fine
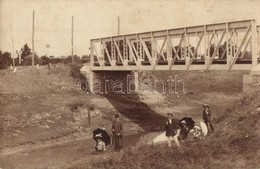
(117, 130)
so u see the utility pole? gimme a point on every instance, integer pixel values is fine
(72, 40)
(47, 50)
(13, 44)
(19, 57)
(118, 25)
(13, 50)
(33, 40)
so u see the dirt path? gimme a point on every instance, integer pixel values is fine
(47, 156)
(57, 155)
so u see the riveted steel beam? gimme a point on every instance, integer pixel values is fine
(146, 51)
(240, 47)
(131, 51)
(196, 49)
(176, 51)
(254, 49)
(216, 48)
(119, 53)
(107, 53)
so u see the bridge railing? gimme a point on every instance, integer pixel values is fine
(230, 45)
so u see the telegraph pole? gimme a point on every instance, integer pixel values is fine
(47, 50)
(13, 44)
(118, 25)
(33, 40)
(13, 50)
(72, 40)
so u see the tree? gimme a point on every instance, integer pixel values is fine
(5, 60)
(69, 59)
(26, 56)
(85, 59)
(26, 51)
(44, 60)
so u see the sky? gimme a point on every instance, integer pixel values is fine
(98, 18)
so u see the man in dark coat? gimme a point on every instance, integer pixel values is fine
(117, 130)
(207, 117)
(172, 130)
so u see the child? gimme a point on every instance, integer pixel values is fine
(100, 146)
(197, 132)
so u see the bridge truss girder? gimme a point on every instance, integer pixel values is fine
(231, 45)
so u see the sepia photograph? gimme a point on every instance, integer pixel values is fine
(129, 84)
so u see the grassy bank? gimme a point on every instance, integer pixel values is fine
(45, 105)
(235, 144)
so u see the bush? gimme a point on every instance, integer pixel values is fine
(75, 71)
(5, 60)
(68, 59)
(27, 61)
(75, 106)
(44, 60)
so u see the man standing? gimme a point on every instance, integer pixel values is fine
(117, 130)
(172, 130)
(207, 117)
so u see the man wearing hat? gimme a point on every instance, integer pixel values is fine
(172, 130)
(117, 130)
(207, 117)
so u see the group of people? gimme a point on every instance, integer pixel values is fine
(117, 137)
(173, 129)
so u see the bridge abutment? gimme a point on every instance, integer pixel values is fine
(113, 82)
(251, 82)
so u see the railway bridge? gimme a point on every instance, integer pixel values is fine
(221, 46)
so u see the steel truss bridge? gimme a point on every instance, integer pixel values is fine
(221, 46)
